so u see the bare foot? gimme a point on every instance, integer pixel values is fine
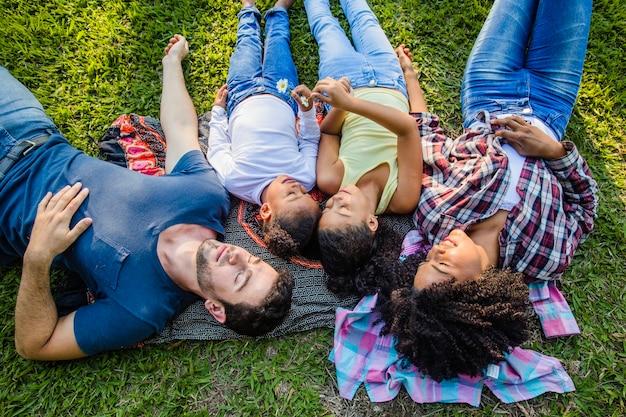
(285, 3)
(177, 48)
(245, 3)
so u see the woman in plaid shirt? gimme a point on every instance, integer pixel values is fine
(506, 200)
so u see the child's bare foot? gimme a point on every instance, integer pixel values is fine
(245, 3)
(285, 3)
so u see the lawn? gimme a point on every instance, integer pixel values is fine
(89, 61)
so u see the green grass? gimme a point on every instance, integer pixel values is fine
(89, 61)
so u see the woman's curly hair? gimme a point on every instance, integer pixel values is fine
(355, 259)
(452, 328)
(286, 234)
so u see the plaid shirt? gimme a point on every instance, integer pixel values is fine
(465, 180)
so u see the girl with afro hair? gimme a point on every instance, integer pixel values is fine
(507, 202)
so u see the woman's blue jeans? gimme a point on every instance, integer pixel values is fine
(371, 62)
(21, 115)
(528, 60)
(256, 71)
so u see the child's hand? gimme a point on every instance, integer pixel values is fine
(302, 95)
(220, 97)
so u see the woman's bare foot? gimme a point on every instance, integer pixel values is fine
(284, 3)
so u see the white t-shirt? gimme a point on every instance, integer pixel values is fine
(260, 141)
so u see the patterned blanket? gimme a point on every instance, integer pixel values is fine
(137, 142)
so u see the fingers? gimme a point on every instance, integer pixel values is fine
(51, 233)
(512, 122)
(80, 228)
(402, 50)
(345, 82)
(302, 95)
(223, 91)
(64, 197)
(64, 203)
(302, 90)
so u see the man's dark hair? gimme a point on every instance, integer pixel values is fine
(452, 328)
(286, 234)
(250, 320)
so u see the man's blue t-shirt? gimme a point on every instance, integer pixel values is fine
(116, 256)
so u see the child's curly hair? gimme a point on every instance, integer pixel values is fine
(455, 328)
(286, 234)
(356, 262)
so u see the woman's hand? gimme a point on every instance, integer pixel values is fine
(528, 140)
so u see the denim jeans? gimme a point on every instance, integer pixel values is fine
(21, 115)
(371, 62)
(256, 71)
(528, 60)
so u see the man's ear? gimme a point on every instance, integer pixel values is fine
(372, 223)
(266, 212)
(216, 309)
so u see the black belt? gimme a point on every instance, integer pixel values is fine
(18, 151)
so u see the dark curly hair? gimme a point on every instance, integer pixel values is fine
(455, 328)
(355, 259)
(250, 320)
(287, 234)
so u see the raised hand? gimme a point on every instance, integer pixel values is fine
(302, 95)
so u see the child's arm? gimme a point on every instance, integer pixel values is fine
(402, 124)
(309, 134)
(329, 170)
(417, 103)
(219, 153)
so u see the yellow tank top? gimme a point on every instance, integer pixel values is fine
(365, 144)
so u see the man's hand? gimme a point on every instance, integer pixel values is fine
(221, 96)
(528, 140)
(51, 234)
(302, 95)
(337, 93)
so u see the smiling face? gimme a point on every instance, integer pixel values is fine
(349, 206)
(456, 256)
(230, 273)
